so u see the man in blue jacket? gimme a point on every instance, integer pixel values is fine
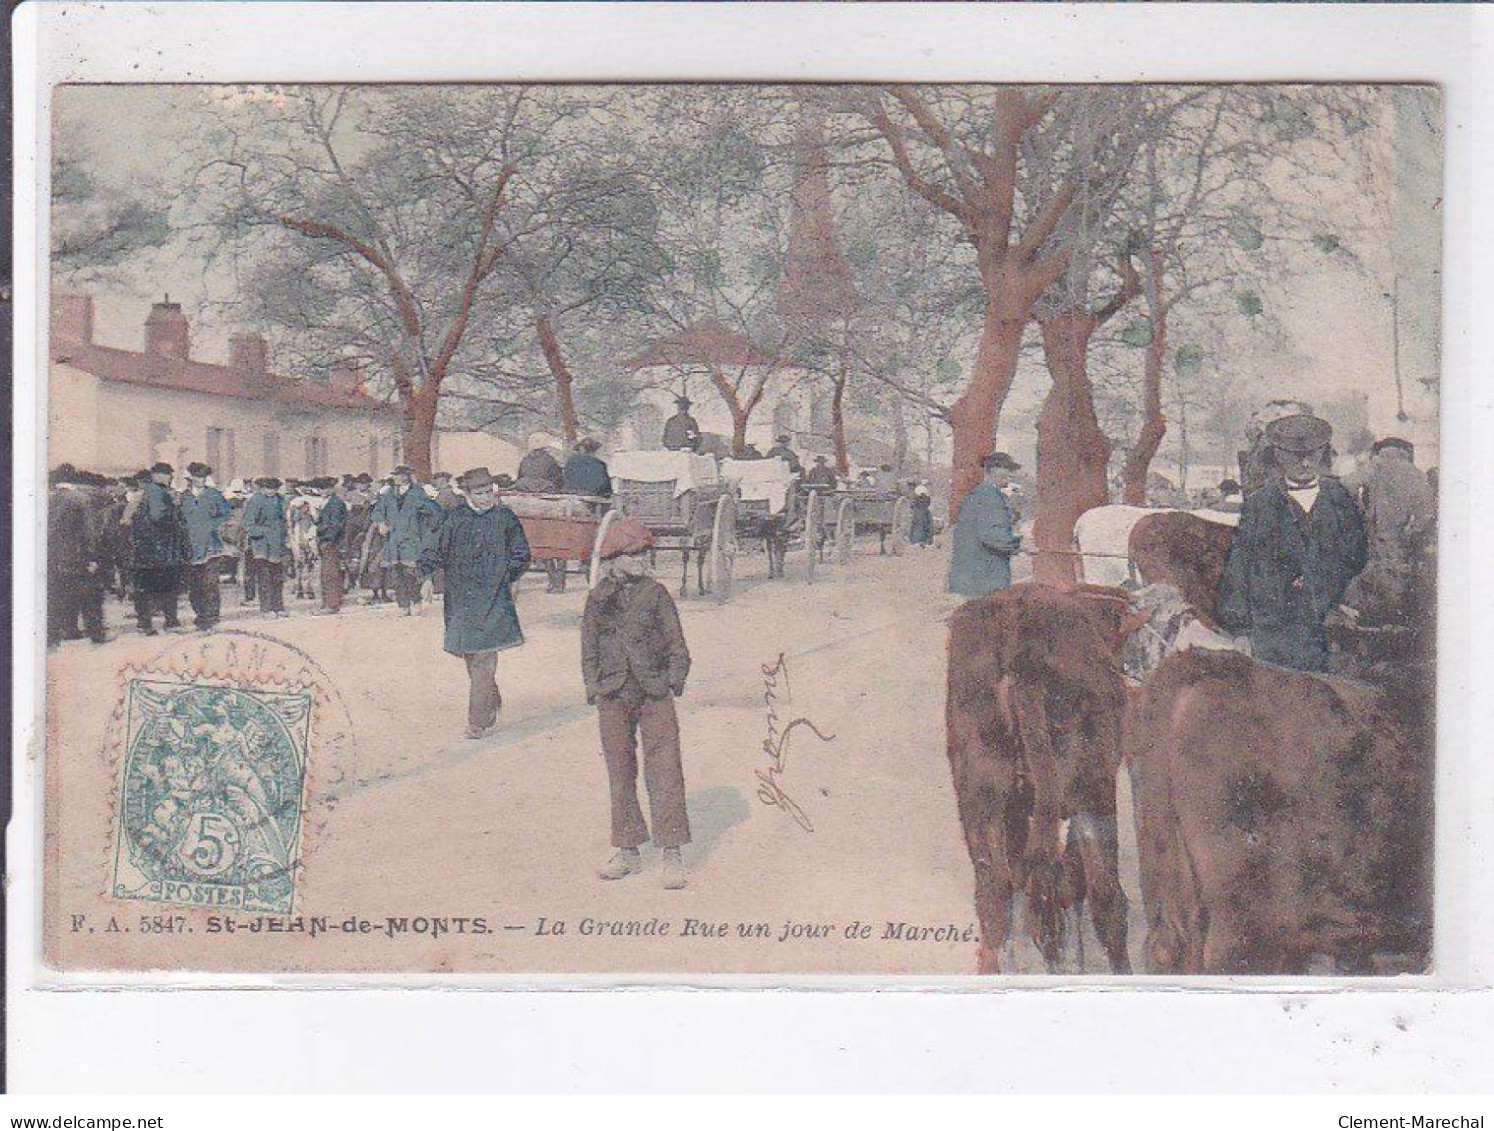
(406, 516)
(331, 530)
(1300, 541)
(482, 548)
(265, 529)
(158, 550)
(205, 510)
(984, 540)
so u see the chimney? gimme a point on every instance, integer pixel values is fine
(347, 377)
(249, 354)
(166, 332)
(72, 320)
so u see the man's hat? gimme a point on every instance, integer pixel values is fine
(363, 477)
(682, 402)
(1229, 487)
(1001, 460)
(267, 481)
(440, 475)
(784, 439)
(626, 536)
(199, 470)
(821, 459)
(403, 469)
(475, 478)
(587, 445)
(503, 479)
(63, 473)
(1393, 442)
(1301, 434)
(162, 468)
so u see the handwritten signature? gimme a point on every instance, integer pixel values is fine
(776, 744)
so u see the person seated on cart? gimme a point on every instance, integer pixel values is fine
(681, 433)
(821, 475)
(782, 450)
(539, 470)
(921, 526)
(585, 473)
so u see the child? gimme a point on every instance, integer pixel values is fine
(634, 661)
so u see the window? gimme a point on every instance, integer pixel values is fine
(272, 455)
(230, 469)
(316, 455)
(160, 432)
(215, 448)
(373, 455)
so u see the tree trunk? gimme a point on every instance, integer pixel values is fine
(1073, 454)
(899, 436)
(1153, 423)
(564, 379)
(974, 416)
(838, 425)
(418, 427)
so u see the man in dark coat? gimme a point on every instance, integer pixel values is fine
(1300, 541)
(204, 510)
(539, 471)
(482, 548)
(984, 538)
(781, 449)
(331, 533)
(76, 554)
(585, 473)
(634, 662)
(681, 433)
(406, 516)
(158, 550)
(268, 536)
(821, 474)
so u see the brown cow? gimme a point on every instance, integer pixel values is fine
(1183, 550)
(1033, 714)
(1281, 816)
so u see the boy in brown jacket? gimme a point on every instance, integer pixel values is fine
(634, 661)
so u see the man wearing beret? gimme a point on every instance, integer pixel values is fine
(267, 534)
(158, 550)
(205, 510)
(482, 548)
(1300, 541)
(984, 540)
(406, 516)
(634, 661)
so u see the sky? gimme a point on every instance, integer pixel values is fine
(1347, 327)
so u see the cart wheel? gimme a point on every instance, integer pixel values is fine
(899, 527)
(594, 569)
(723, 548)
(845, 531)
(812, 511)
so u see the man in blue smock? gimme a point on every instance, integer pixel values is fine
(482, 548)
(984, 540)
(267, 533)
(205, 510)
(406, 516)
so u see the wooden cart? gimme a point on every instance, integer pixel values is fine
(566, 528)
(700, 520)
(835, 519)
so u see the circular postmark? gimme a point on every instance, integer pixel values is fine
(228, 752)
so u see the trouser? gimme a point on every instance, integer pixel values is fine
(203, 592)
(69, 597)
(249, 569)
(624, 718)
(483, 698)
(156, 587)
(332, 579)
(555, 572)
(271, 585)
(406, 585)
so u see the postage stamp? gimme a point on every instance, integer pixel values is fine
(211, 795)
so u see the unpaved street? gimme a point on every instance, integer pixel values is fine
(428, 826)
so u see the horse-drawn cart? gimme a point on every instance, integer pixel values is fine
(770, 508)
(687, 507)
(836, 518)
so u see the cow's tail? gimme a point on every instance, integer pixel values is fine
(1043, 864)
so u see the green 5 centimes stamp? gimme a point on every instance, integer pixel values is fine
(211, 794)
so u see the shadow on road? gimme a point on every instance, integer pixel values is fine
(712, 812)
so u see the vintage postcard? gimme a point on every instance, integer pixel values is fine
(777, 530)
